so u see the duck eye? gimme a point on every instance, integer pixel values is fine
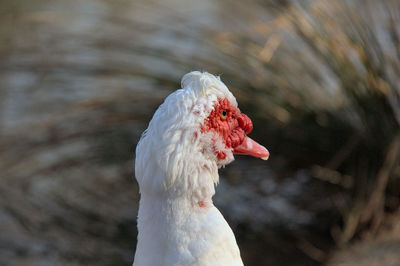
(223, 114)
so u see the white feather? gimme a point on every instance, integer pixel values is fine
(176, 168)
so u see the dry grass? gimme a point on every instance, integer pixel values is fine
(325, 72)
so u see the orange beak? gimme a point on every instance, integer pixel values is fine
(252, 148)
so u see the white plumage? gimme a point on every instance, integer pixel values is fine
(177, 161)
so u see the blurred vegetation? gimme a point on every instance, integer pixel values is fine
(80, 80)
(331, 101)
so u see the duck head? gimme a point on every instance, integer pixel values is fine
(198, 129)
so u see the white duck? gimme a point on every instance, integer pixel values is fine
(194, 132)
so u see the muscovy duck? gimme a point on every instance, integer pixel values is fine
(194, 132)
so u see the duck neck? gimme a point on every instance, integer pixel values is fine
(166, 219)
(183, 196)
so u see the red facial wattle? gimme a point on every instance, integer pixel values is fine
(233, 126)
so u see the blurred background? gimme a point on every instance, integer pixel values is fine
(80, 79)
